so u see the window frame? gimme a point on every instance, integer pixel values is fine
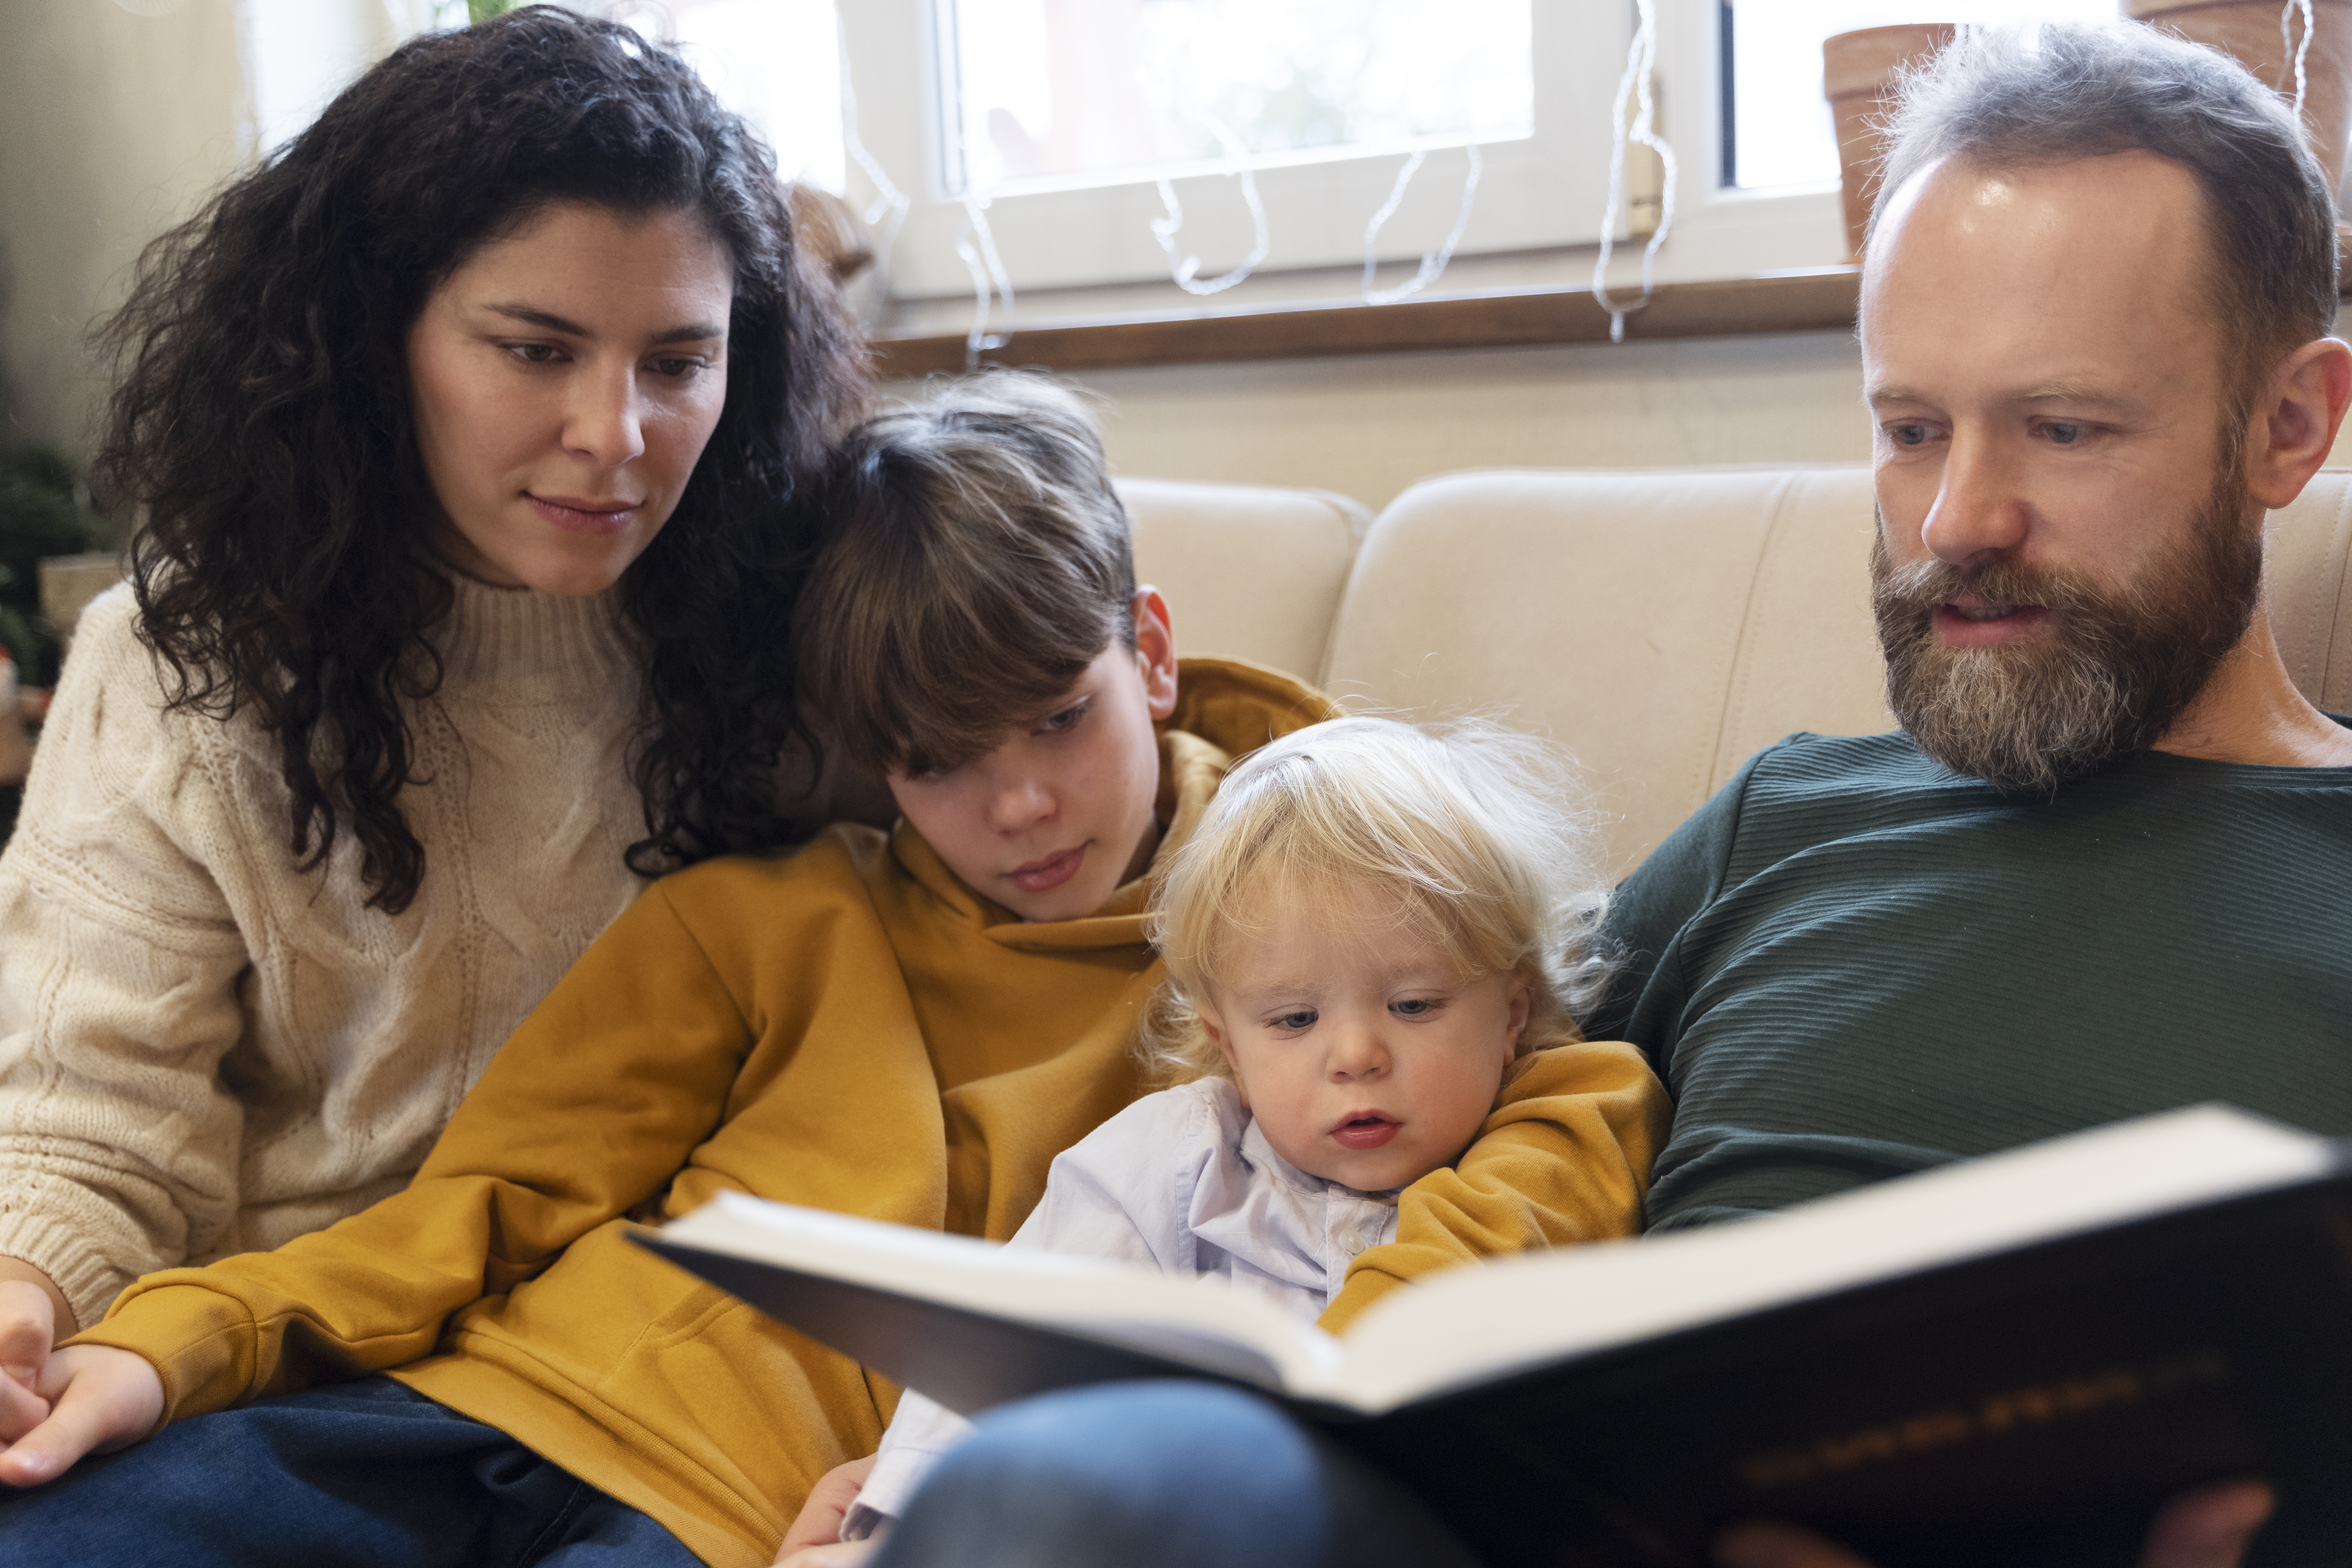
(1533, 193)
(1080, 239)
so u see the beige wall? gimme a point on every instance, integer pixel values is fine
(1369, 426)
(111, 126)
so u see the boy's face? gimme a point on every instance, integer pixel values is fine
(1054, 819)
(1359, 1049)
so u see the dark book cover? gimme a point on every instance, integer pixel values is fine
(2031, 1406)
(2028, 1409)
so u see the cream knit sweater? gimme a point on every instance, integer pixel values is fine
(203, 1051)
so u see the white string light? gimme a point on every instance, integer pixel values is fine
(1432, 263)
(987, 271)
(2287, 45)
(889, 198)
(1641, 60)
(1187, 269)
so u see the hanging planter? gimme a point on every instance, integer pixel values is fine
(1858, 75)
(2250, 31)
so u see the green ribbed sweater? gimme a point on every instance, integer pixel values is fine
(1852, 963)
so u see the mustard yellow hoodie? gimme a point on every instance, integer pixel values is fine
(848, 1025)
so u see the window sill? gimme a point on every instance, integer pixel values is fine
(1820, 299)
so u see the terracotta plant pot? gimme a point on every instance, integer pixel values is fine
(2248, 31)
(1858, 72)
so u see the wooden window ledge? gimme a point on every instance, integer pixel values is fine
(1816, 300)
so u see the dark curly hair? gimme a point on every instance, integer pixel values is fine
(261, 425)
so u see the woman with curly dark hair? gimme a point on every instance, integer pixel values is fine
(467, 434)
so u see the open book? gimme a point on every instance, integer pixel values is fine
(2007, 1360)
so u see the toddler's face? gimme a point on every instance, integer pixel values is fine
(1362, 1052)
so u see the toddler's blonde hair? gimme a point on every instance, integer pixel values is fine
(1471, 834)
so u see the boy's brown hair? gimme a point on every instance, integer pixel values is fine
(975, 562)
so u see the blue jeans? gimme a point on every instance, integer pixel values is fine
(361, 1473)
(1188, 1475)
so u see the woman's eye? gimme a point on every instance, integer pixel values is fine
(533, 353)
(678, 369)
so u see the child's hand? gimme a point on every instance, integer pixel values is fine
(27, 1327)
(819, 1520)
(99, 1399)
(839, 1554)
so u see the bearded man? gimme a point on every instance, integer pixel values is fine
(2105, 870)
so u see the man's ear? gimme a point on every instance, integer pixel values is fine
(2291, 435)
(1155, 650)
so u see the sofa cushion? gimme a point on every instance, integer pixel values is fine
(1661, 625)
(1250, 571)
(2310, 600)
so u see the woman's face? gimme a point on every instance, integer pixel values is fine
(564, 380)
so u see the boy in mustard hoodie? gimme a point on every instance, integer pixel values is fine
(907, 1027)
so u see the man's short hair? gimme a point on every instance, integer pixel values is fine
(1999, 99)
(975, 562)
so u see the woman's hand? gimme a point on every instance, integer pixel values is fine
(2210, 1527)
(819, 1520)
(94, 1399)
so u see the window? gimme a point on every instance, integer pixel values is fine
(936, 82)
(1035, 96)
(1779, 122)
(298, 54)
(1070, 144)
(774, 62)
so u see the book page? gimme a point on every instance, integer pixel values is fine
(1547, 1307)
(1203, 1322)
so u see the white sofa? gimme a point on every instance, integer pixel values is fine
(1661, 624)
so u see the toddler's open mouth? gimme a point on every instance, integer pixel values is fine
(1366, 1130)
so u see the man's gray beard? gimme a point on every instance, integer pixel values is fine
(2111, 676)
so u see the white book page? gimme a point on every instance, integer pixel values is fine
(1205, 1322)
(1473, 1324)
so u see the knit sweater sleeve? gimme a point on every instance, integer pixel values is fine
(119, 984)
(588, 1112)
(1564, 1157)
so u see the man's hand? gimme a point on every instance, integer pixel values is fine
(2210, 1527)
(95, 1399)
(819, 1520)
